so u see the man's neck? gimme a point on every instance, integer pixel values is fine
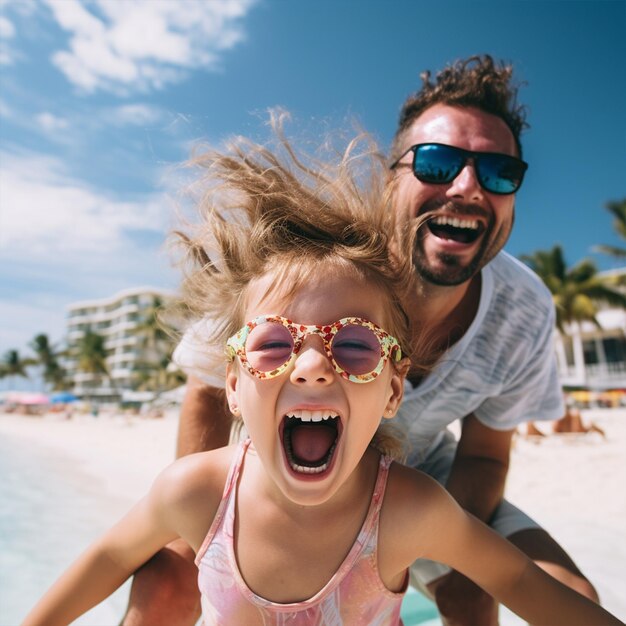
(430, 304)
(441, 314)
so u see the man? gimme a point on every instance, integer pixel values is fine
(491, 314)
(456, 156)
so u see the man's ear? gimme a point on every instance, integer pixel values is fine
(398, 374)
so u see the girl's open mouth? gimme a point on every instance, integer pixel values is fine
(310, 439)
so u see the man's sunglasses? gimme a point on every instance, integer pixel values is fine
(438, 164)
(357, 348)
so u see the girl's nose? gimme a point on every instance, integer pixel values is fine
(311, 365)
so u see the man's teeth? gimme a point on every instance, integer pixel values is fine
(313, 416)
(443, 220)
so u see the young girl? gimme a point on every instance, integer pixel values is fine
(307, 521)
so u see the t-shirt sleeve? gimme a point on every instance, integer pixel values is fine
(197, 355)
(533, 391)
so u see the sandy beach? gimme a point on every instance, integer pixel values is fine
(572, 484)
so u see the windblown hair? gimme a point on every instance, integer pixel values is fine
(474, 82)
(294, 215)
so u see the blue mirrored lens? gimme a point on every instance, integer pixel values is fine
(499, 173)
(437, 164)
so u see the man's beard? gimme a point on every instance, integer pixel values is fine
(452, 273)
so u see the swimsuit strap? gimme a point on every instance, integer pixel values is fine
(231, 481)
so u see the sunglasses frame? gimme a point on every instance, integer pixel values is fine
(467, 154)
(236, 345)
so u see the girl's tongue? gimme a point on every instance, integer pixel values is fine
(311, 442)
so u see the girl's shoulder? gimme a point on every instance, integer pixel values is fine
(199, 475)
(411, 492)
(190, 491)
(415, 509)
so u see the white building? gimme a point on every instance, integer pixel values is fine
(116, 319)
(591, 357)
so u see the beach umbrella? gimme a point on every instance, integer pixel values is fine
(32, 399)
(63, 397)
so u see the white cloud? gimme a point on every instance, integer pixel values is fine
(23, 320)
(62, 241)
(7, 30)
(51, 123)
(45, 211)
(136, 115)
(25, 8)
(137, 45)
(5, 109)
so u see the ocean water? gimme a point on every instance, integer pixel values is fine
(49, 512)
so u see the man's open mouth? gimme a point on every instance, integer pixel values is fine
(455, 229)
(310, 439)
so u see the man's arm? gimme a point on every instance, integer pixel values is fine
(479, 471)
(476, 482)
(205, 421)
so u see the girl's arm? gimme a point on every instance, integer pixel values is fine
(106, 564)
(429, 518)
(160, 517)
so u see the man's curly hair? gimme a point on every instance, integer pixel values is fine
(474, 82)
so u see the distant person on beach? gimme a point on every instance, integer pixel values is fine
(309, 520)
(570, 423)
(456, 156)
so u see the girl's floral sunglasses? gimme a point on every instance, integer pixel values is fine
(357, 348)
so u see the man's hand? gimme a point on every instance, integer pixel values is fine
(205, 421)
(463, 603)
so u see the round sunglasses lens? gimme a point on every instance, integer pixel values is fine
(268, 346)
(500, 174)
(437, 164)
(356, 350)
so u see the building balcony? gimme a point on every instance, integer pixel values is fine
(595, 376)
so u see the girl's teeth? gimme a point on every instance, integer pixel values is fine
(308, 470)
(313, 416)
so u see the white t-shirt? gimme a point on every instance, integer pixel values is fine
(503, 369)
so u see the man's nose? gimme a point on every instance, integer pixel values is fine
(466, 186)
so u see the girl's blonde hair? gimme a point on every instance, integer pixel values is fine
(276, 210)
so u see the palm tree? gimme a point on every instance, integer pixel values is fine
(158, 377)
(13, 365)
(577, 292)
(47, 357)
(91, 354)
(153, 331)
(156, 342)
(618, 209)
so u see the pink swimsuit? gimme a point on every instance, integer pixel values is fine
(354, 596)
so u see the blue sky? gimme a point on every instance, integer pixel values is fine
(100, 100)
